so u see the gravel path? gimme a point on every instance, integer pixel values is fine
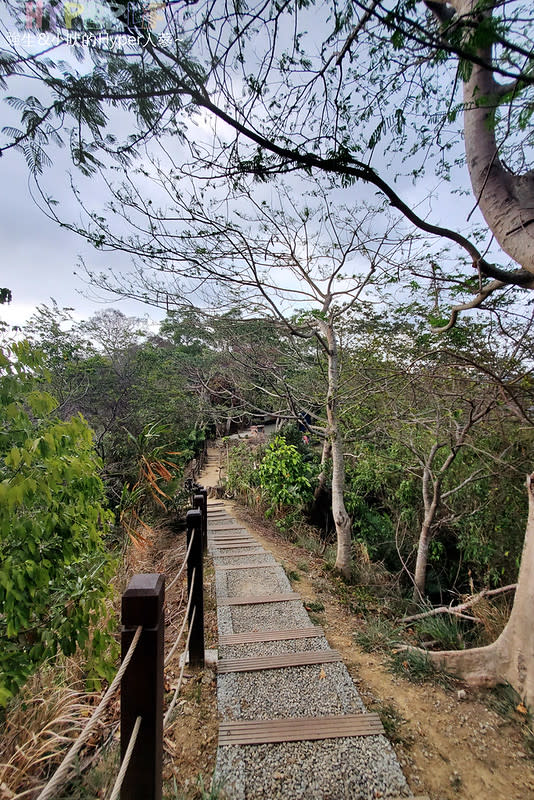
(356, 767)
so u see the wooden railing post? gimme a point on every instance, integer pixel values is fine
(194, 564)
(142, 686)
(200, 501)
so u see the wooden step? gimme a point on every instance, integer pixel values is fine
(247, 548)
(299, 730)
(227, 528)
(257, 663)
(271, 636)
(234, 543)
(246, 566)
(255, 599)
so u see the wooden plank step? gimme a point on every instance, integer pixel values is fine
(227, 539)
(235, 543)
(229, 531)
(256, 599)
(232, 541)
(246, 566)
(228, 528)
(271, 636)
(238, 546)
(299, 729)
(257, 663)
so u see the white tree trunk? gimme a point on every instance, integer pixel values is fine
(342, 521)
(510, 659)
(431, 497)
(505, 199)
(422, 559)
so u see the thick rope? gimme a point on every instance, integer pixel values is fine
(171, 584)
(61, 774)
(176, 643)
(117, 786)
(177, 690)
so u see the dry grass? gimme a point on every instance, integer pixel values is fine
(493, 616)
(41, 723)
(52, 707)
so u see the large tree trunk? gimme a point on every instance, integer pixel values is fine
(510, 659)
(505, 199)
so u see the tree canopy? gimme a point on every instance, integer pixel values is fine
(365, 93)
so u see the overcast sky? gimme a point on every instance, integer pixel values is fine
(39, 259)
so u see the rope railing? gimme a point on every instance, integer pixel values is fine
(62, 773)
(180, 633)
(180, 678)
(141, 673)
(117, 786)
(184, 565)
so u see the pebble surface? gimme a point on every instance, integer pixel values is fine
(359, 768)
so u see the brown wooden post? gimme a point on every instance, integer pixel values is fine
(142, 686)
(194, 562)
(204, 493)
(200, 500)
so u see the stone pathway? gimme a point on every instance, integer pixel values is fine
(264, 700)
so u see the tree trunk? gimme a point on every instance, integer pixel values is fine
(505, 199)
(431, 496)
(342, 521)
(510, 659)
(422, 559)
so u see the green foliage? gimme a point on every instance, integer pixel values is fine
(314, 606)
(444, 629)
(371, 481)
(54, 569)
(378, 635)
(285, 478)
(292, 574)
(412, 664)
(243, 478)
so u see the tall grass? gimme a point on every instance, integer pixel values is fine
(40, 724)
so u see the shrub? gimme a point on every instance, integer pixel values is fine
(243, 478)
(54, 568)
(285, 478)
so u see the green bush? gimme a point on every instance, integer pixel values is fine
(243, 477)
(54, 568)
(285, 478)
